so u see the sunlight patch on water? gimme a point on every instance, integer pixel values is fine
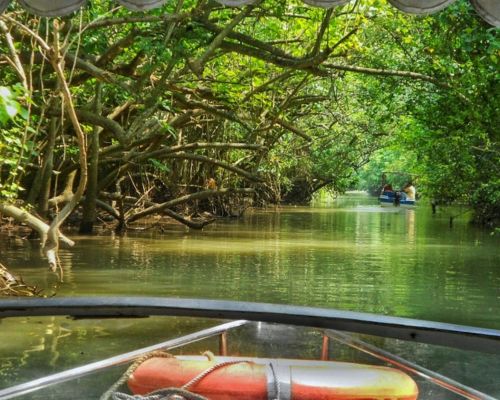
(247, 246)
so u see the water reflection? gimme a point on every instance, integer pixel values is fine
(353, 256)
(357, 256)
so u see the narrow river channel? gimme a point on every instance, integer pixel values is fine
(348, 254)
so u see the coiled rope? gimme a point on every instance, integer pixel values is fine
(276, 381)
(130, 370)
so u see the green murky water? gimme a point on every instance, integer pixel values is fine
(350, 254)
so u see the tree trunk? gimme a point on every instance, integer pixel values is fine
(46, 173)
(89, 205)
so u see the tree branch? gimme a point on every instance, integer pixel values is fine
(222, 164)
(105, 123)
(24, 217)
(388, 72)
(184, 199)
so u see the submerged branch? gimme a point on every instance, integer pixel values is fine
(11, 285)
(206, 194)
(188, 222)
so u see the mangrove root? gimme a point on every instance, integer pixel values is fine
(11, 285)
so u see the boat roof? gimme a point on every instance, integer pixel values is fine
(489, 10)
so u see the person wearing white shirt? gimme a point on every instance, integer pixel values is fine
(410, 191)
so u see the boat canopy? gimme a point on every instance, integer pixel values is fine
(489, 10)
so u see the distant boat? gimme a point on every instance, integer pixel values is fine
(390, 198)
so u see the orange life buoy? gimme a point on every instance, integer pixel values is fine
(259, 379)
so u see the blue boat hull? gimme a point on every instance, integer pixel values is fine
(389, 199)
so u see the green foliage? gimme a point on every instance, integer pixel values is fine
(274, 82)
(486, 198)
(452, 135)
(160, 167)
(391, 165)
(9, 106)
(13, 147)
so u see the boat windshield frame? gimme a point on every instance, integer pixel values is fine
(414, 330)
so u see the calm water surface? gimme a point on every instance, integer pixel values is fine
(350, 255)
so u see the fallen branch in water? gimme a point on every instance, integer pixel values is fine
(24, 217)
(38, 225)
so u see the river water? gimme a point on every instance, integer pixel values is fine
(348, 254)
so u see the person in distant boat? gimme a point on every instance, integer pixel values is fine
(410, 191)
(387, 188)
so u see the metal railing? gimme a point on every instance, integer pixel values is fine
(60, 377)
(402, 364)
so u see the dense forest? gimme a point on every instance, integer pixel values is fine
(195, 110)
